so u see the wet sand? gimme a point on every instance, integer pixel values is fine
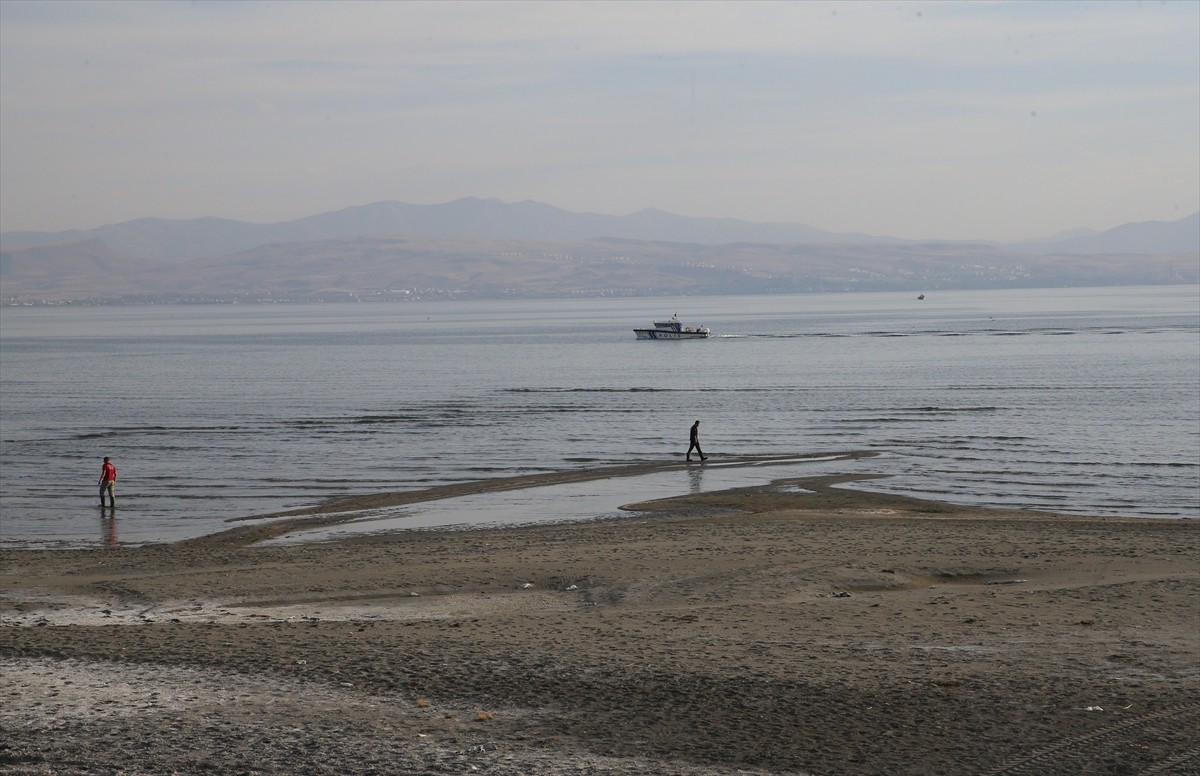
(764, 630)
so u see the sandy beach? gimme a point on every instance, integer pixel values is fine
(796, 628)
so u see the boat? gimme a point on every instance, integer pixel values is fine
(920, 297)
(672, 330)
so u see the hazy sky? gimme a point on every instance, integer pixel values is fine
(995, 120)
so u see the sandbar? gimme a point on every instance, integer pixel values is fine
(798, 627)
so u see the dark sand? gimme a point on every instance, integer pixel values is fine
(753, 631)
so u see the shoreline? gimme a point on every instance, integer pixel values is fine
(755, 630)
(387, 511)
(347, 509)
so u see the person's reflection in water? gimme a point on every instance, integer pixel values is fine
(108, 526)
(695, 477)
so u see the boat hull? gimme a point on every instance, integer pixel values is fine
(667, 334)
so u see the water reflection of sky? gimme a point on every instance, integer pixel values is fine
(568, 502)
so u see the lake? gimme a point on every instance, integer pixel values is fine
(1072, 400)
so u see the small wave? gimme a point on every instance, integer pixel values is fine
(369, 419)
(990, 438)
(934, 409)
(873, 422)
(635, 389)
(641, 389)
(129, 431)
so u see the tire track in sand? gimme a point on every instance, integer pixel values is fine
(1064, 754)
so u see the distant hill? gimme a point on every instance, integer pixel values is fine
(487, 248)
(456, 268)
(84, 269)
(179, 240)
(1150, 237)
(169, 240)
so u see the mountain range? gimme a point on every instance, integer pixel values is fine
(178, 240)
(484, 247)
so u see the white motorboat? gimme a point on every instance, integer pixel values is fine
(672, 330)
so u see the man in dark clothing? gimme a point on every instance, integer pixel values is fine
(695, 444)
(108, 482)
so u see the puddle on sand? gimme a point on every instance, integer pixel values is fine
(568, 502)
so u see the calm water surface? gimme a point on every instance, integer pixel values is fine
(1076, 400)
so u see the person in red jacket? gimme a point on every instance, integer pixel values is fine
(108, 482)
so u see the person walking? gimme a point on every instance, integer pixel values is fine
(695, 443)
(108, 482)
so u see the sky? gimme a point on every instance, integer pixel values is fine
(949, 120)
